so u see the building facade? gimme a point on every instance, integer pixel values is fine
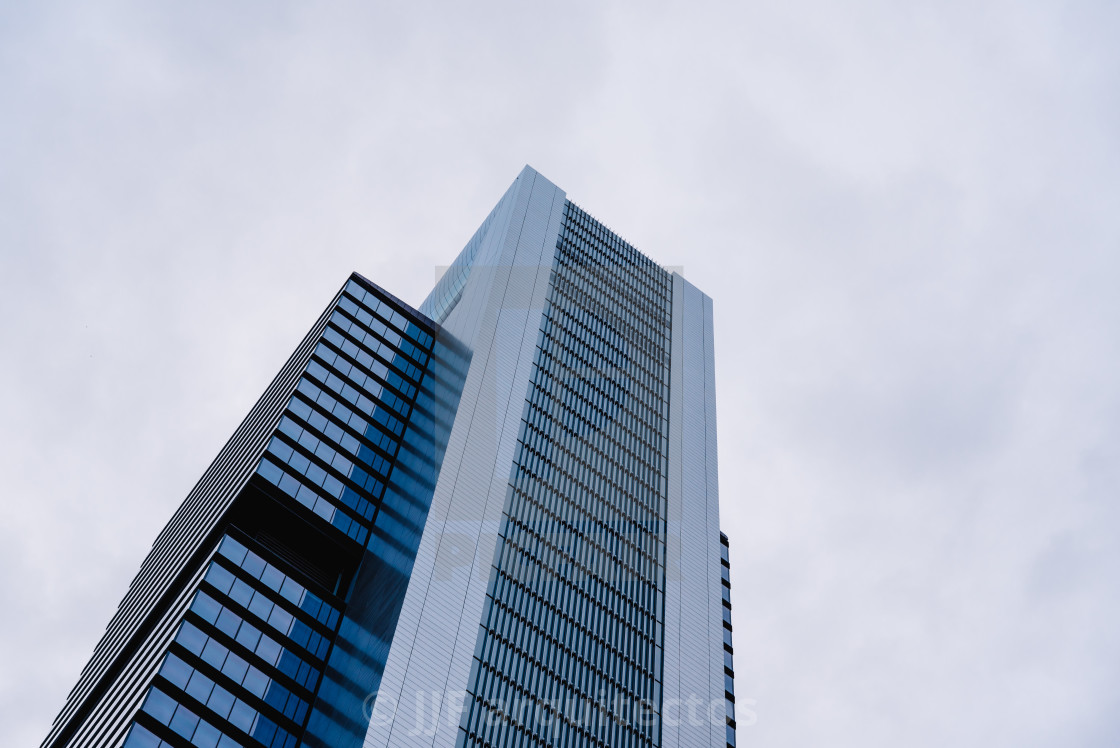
(489, 521)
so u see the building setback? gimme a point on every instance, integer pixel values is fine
(489, 521)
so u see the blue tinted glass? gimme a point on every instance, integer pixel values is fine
(214, 654)
(206, 607)
(253, 564)
(242, 715)
(140, 737)
(175, 670)
(221, 701)
(159, 705)
(200, 687)
(268, 650)
(191, 637)
(235, 667)
(264, 730)
(184, 722)
(232, 549)
(219, 577)
(269, 471)
(206, 736)
(255, 682)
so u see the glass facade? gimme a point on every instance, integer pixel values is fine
(502, 496)
(569, 647)
(264, 625)
(245, 662)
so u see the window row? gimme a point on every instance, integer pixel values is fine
(182, 721)
(335, 437)
(371, 484)
(505, 712)
(371, 408)
(596, 603)
(605, 456)
(618, 447)
(319, 486)
(567, 626)
(220, 700)
(642, 311)
(379, 328)
(374, 324)
(592, 469)
(277, 581)
(556, 485)
(646, 335)
(614, 332)
(586, 485)
(610, 245)
(527, 653)
(381, 307)
(618, 297)
(607, 386)
(631, 529)
(374, 344)
(643, 438)
(598, 554)
(583, 396)
(371, 384)
(618, 552)
(628, 283)
(344, 412)
(610, 352)
(604, 460)
(280, 620)
(200, 732)
(643, 380)
(310, 497)
(237, 668)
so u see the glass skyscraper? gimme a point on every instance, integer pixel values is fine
(489, 521)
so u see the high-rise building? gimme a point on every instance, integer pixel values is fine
(489, 521)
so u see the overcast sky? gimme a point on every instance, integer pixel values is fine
(906, 214)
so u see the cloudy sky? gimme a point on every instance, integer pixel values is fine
(907, 214)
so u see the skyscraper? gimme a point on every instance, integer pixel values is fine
(492, 520)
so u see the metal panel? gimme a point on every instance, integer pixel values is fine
(498, 317)
(694, 705)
